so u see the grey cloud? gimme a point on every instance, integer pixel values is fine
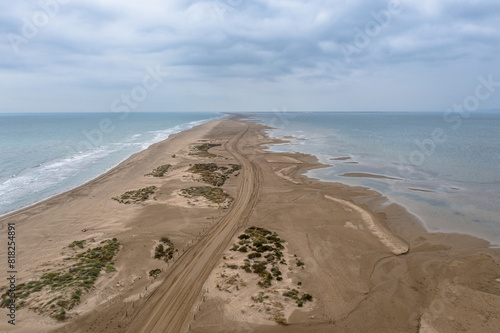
(106, 45)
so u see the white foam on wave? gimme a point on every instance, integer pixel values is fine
(41, 177)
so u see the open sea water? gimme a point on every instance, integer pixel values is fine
(42, 155)
(453, 160)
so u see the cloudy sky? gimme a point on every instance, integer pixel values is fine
(247, 55)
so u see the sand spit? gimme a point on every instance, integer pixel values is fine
(352, 241)
(394, 243)
(420, 190)
(367, 175)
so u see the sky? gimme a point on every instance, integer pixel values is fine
(242, 55)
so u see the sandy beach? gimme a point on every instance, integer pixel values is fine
(368, 264)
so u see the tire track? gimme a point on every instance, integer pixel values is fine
(169, 308)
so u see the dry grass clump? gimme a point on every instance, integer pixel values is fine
(67, 285)
(165, 250)
(154, 272)
(202, 150)
(136, 196)
(159, 171)
(213, 194)
(212, 173)
(295, 294)
(278, 315)
(80, 244)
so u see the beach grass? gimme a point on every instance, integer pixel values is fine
(203, 150)
(66, 286)
(165, 250)
(213, 174)
(159, 171)
(213, 194)
(136, 196)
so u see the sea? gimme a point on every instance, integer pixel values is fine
(45, 154)
(443, 167)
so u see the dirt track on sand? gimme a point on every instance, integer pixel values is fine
(170, 306)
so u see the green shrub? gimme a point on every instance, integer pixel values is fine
(265, 282)
(165, 252)
(154, 272)
(166, 240)
(61, 315)
(254, 255)
(263, 248)
(246, 267)
(276, 271)
(77, 243)
(159, 171)
(213, 194)
(159, 251)
(258, 268)
(259, 298)
(202, 150)
(294, 293)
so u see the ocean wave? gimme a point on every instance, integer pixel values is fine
(39, 178)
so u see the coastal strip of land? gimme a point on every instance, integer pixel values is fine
(210, 232)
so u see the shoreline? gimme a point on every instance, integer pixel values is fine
(443, 205)
(105, 172)
(412, 208)
(346, 263)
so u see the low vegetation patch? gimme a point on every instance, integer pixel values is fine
(80, 244)
(213, 194)
(136, 196)
(261, 252)
(265, 244)
(159, 171)
(202, 150)
(154, 272)
(66, 285)
(295, 294)
(165, 250)
(213, 174)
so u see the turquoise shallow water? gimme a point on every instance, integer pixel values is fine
(458, 162)
(42, 155)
